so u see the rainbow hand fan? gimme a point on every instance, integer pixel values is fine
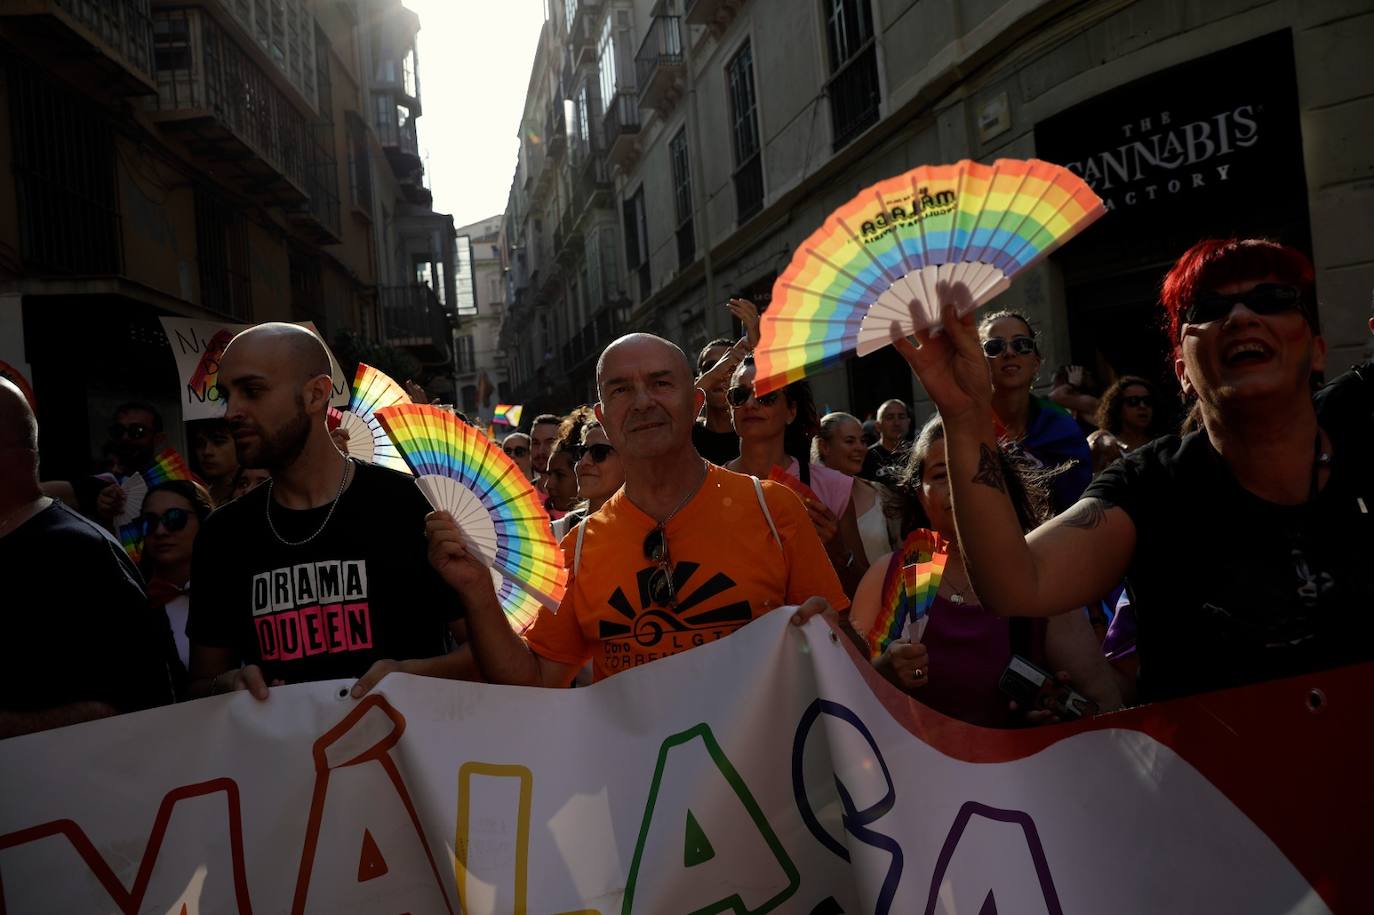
(166, 466)
(367, 441)
(501, 518)
(877, 268)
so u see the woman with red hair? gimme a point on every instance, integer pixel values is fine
(1246, 543)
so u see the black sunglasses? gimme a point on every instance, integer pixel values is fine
(1264, 299)
(739, 396)
(517, 451)
(1138, 400)
(661, 590)
(996, 346)
(133, 430)
(173, 519)
(598, 452)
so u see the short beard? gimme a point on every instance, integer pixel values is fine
(280, 449)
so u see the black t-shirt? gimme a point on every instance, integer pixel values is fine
(77, 625)
(1231, 589)
(877, 459)
(359, 592)
(1346, 404)
(719, 448)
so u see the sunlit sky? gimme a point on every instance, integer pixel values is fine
(475, 59)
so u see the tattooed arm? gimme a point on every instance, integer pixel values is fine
(1065, 563)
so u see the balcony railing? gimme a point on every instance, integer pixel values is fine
(318, 217)
(582, 15)
(395, 124)
(556, 130)
(658, 65)
(115, 36)
(854, 96)
(230, 110)
(412, 317)
(620, 126)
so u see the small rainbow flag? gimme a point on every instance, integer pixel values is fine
(909, 588)
(167, 466)
(508, 414)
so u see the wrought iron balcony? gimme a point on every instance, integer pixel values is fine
(620, 127)
(658, 65)
(591, 339)
(227, 109)
(855, 96)
(395, 125)
(110, 42)
(581, 17)
(556, 130)
(412, 317)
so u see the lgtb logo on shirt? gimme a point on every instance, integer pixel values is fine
(312, 609)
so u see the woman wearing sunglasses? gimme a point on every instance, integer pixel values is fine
(927, 632)
(1034, 427)
(1125, 420)
(171, 518)
(775, 432)
(599, 475)
(1246, 542)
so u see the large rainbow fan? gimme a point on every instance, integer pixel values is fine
(367, 440)
(875, 270)
(500, 515)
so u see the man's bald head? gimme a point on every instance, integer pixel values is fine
(18, 444)
(292, 344)
(642, 344)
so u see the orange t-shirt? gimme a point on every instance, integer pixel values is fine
(727, 570)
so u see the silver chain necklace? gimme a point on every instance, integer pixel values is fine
(343, 478)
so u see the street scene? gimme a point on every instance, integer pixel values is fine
(667, 456)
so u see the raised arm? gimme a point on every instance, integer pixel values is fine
(1063, 564)
(501, 655)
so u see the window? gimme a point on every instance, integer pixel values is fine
(64, 178)
(467, 360)
(359, 165)
(222, 250)
(744, 134)
(606, 61)
(637, 242)
(462, 276)
(682, 198)
(853, 86)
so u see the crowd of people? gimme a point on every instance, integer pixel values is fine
(1067, 534)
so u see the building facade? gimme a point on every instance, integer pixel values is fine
(732, 128)
(479, 362)
(216, 159)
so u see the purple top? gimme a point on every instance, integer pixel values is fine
(969, 649)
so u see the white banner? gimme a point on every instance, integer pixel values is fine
(767, 772)
(198, 345)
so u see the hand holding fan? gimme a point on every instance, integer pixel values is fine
(367, 441)
(497, 511)
(879, 267)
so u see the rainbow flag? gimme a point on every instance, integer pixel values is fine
(508, 414)
(909, 587)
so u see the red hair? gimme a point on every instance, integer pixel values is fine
(1215, 262)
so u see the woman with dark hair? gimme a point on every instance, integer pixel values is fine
(775, 433)
(918, 612)
(1034, 427)
(1246, 542)
(560, 479)
(1125, 420)
(599, 475)
(172, 515)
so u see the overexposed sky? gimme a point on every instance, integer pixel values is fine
(475, 59)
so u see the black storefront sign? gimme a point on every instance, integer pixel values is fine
(1211, 147)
